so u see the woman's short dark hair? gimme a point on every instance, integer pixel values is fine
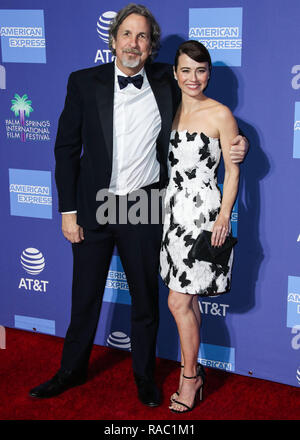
(195, 50)
(133, 8)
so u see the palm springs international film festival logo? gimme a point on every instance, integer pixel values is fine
(24, 128)
(103, 23)
(220, 30)
(33, 262)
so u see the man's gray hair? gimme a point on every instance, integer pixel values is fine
(133, 8)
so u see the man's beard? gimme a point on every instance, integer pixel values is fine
(131, 63)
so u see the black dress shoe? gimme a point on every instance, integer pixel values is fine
(62, 381)
(148, 393)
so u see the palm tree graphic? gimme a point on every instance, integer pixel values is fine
(21, 106)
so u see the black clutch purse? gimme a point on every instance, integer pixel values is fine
(203, 250)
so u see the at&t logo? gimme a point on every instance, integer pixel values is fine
(119, 340)
(103, 24)
(33, 262)
(214, 309)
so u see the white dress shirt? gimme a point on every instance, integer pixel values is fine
(136, 125)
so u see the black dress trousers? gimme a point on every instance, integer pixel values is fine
(139, 247)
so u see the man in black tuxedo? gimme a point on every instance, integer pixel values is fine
(121, 113)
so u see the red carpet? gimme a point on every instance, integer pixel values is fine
(110, 392)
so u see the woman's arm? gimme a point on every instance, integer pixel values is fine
(228, 130)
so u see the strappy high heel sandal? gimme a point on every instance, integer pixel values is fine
(176, 394)
(199, 372)
(199, 393)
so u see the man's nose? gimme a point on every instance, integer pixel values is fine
(133, 41)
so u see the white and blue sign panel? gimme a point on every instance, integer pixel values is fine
(293, 302)
(234, 214)
(22, 35)
(220, 30)
(2, 78)
(30, 193)
(296, 153)
(116, 288)
(217, 356)
(32, 323)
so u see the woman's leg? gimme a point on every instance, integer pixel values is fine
(185, 310)
(196, 309)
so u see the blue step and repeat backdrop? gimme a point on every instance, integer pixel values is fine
(253, 330)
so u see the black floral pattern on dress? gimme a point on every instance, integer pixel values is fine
(183, 280)
(191, 174)
(189, 241)
(178, 179)
(180, 231)
(204, 152)
(192, 203)
(213, 214)
(190, 137)
(210, 162)
(172, 159)
(176, 141)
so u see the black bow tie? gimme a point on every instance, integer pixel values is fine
(137, 81)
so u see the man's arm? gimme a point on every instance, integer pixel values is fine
(67, 150)
(239, 149)
(71, 230)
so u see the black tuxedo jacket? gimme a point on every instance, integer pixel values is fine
(84, 142)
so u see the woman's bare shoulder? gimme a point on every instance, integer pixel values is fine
(220, 110)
